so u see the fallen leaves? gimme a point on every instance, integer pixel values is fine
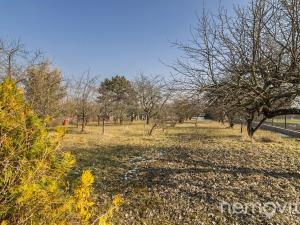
(181, 176)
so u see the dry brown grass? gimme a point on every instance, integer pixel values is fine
(180, 176)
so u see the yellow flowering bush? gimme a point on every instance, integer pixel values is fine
(33, 189)
(84, 202)
(107, 217)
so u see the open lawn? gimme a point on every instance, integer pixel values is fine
(181, 175)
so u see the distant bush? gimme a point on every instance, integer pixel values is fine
(33, 189)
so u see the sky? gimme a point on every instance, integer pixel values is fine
(107, 37)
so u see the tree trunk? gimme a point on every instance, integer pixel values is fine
(285, 121)
(98, 117)
(250, 129)
(147, 119)
(103, 125)
(241, 126)
(77, 122)
(83, 122)
(152, 129)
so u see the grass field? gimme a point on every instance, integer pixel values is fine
(181, 175)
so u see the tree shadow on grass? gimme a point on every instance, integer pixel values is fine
(109, 164)
(206, 167)
(194, 136)
(193, 129)
(181, 175)
(148, 167)
(201, 175)
(75, 131)
(211, 183)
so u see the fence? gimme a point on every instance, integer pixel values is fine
(281, 130)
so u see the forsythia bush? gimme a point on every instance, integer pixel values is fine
(33, 189)
(83, 196)
(107, 217)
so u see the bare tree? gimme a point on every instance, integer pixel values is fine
(10, 53)
(250, 61)
(84, 90)
(151, 95)
(185, 108)
(105, 101)
(15, 60)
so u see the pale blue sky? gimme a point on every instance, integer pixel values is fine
(106, 36)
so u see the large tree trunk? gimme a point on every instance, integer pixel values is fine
(250, 130)
(230, 117)
(147, 119)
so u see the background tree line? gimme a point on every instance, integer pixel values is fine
(86, 98)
